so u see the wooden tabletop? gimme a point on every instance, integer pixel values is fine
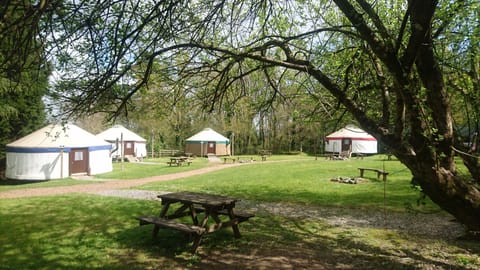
(197, 198)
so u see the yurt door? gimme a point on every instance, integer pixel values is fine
(128, 148)
(346, 144)
(79, 161)
(211, 148)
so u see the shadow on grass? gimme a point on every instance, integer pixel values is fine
(14, 182)
(270, 242)
(93, 232)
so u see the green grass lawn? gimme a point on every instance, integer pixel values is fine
(22, 184)
(308, 181)
(95, 232)
(151, 167)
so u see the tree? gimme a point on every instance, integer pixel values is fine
(380, 60)
(23, 74)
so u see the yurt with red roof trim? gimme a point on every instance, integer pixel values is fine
(351, 139)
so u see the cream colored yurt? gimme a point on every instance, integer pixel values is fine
(133, 144)
(208, 142)
(55, 152)
(351, 139)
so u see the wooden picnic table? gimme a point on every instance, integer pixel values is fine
(179, 161)
(209, 213)
(265, 152)
(231, 159)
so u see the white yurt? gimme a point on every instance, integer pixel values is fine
(206, 142)
(352, 139)
(133, 144)
(55, 152)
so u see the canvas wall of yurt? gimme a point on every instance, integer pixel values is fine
(351, 138)
(55, 152)
(133, 144)
(208, 142)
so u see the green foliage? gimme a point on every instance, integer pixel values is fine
(392, 66)
(23, 77)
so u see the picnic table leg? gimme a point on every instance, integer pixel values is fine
(236, 231)
(196, 243)
(203, 224)
(193, 214)
(162, 214)
(218, 222)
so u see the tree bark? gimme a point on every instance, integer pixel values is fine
(427, 149)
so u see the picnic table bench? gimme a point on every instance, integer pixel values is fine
(238, 215)
(378, 171)
(192, 204)
(171, 224)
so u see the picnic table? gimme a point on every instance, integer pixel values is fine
(231, 159)
(209, 213)
(179, 161)
(265, 152)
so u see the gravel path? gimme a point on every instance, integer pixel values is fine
(440, 226)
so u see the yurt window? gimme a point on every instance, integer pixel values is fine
(78, 155)
(346, 144)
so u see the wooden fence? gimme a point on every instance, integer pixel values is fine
(164, 153)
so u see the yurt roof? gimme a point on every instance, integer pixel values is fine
(208, 135)
(116, 132)
(352, 132)
(55, 135)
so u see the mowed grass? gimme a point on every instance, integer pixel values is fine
(150, 167)
(96, 232)
(22, 184)
(307, 180)
(126, 170)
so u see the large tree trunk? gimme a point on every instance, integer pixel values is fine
(456, 195)
(423, 136)
(434, 166)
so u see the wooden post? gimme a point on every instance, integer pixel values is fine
(61, 161)
(232, 145)
(153, 141)
(122, 156)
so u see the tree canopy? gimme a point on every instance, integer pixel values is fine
(23, 75)
(406, 71)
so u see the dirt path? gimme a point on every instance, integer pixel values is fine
(109, 185)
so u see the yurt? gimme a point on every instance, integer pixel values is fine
(206, 142)
(133, 144)
(55, 152)
(352, 139)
